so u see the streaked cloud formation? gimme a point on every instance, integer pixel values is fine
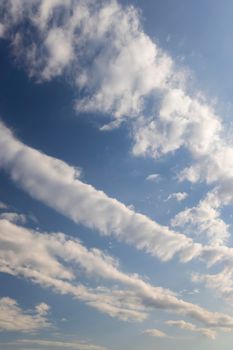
(192, 328)
(13, 318)
(45, 262)
(125, 70)
(56, 184)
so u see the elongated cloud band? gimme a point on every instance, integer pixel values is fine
(51, 259)
(56, 184)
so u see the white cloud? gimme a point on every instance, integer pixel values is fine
(13, 318)
(42, 309)
(209, 333)
(182, 121)
(204, 221)
(126, 64)
(127, 67)
(152, 177)
(220, 283)
(56, 184)
(179, 196)
(155, 333)
(14, 217)
(54, 260)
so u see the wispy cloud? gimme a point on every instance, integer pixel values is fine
(204, 221)
(58, 344)
(153, 177)
(56, 184)
(14, 217)
(179, 196)
(53, 260)
(13, 318)
(207, 332)
(153, 332)
(127, 67)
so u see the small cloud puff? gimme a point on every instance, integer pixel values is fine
(153, 177)
(155, 333)
(179, 196)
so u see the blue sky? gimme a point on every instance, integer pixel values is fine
(116, 175)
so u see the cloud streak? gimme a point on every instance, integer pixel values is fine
(209, 333)
(14, 319)
(56, 184)
(55, 261)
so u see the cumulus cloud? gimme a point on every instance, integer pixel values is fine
(126, 64)
(14, 217)
(56, 184)
(126, 68)
(182, 121)
(42, 309)
(204, 221)
(14, 319)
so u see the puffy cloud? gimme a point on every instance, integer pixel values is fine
(56, 184)
(14, 217)
(209, 333)
(179, 196)
(221, 283)
(126, 68)
(42, 309)
(181, 121)
(204, 221)
(126, 64)
(13, 318)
